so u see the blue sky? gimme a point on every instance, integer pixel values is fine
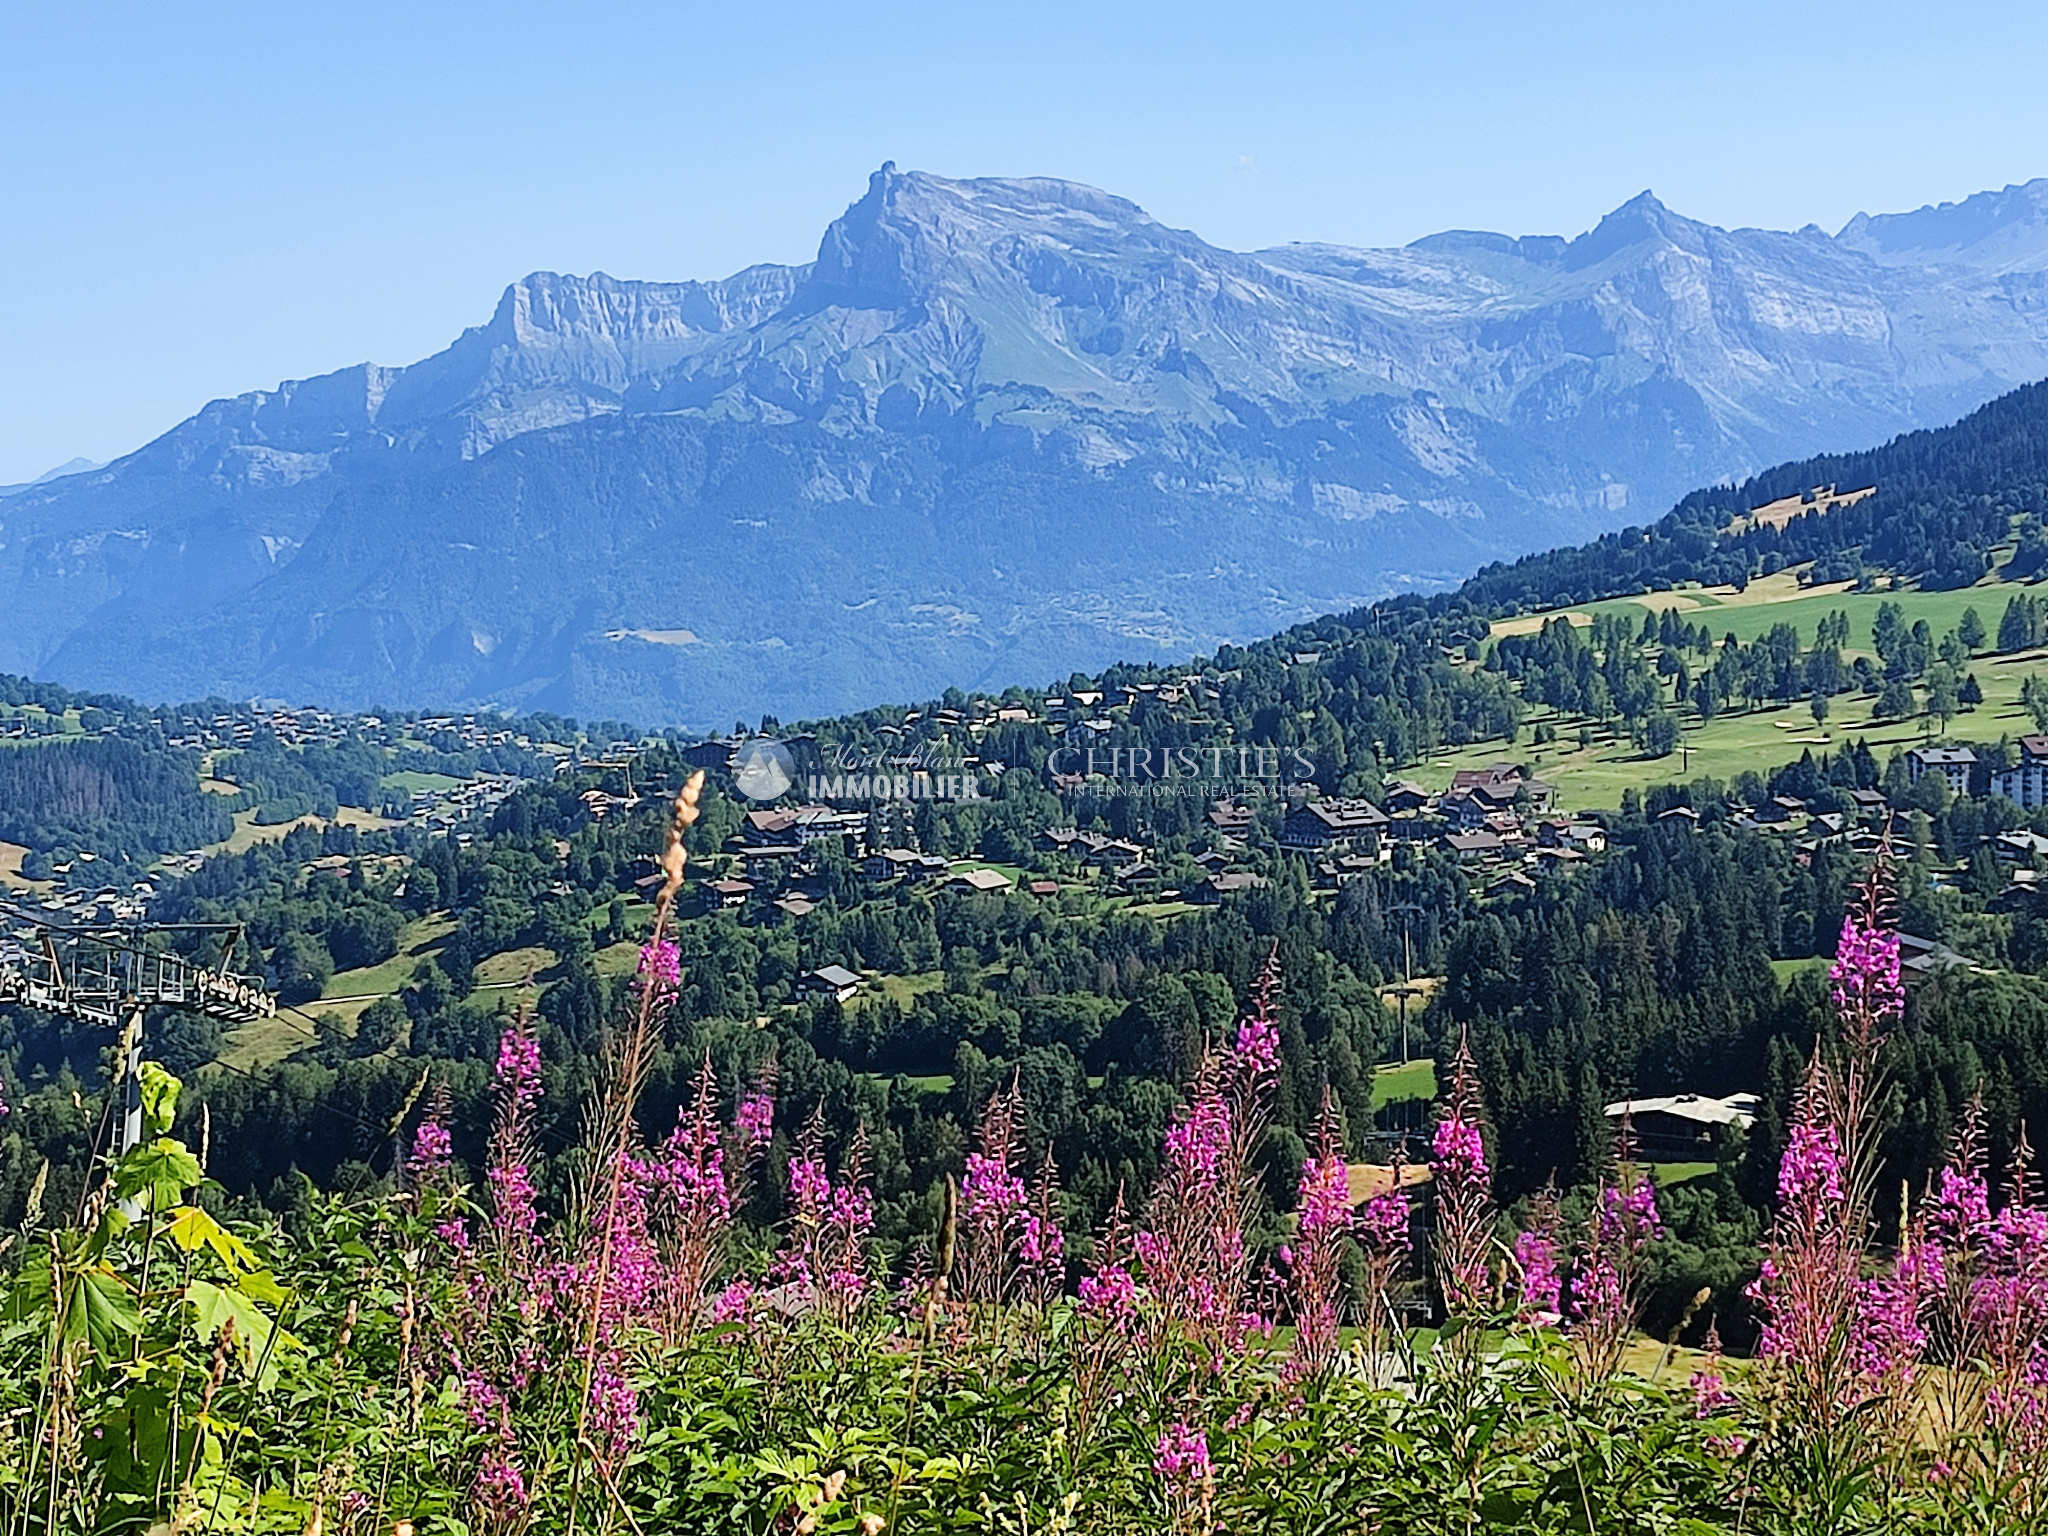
(197, 200)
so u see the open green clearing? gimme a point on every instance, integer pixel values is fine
(1664, 1175)
(411, 783)
(1761, 739)
(1413, 1080)
(414, 940)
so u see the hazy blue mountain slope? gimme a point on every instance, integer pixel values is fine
(997, 429)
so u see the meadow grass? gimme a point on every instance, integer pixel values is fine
(1409, 1080)
(1758, 740)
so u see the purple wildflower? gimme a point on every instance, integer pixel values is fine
(1182, 1454)
(755, 1119)
(661, 964)
(432, 1149)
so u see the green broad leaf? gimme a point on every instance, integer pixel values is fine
(161, 1170)
(261, 1285)
(159, 1094)
(98, 1306)
(258, 1340)
(189, 1227)
(30, 1298)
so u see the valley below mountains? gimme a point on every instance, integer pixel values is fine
(997, 431)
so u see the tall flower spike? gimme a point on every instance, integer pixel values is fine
(1322, 1221)
(1463, 1187)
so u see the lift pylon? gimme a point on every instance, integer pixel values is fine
(111, 975)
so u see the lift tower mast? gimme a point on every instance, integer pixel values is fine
(112, 975)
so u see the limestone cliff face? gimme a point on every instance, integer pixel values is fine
(998, 427)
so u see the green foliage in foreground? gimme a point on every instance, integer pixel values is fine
(169, 1373)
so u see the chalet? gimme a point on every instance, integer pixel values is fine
(766, 856)
(1512, 882)
(1921, 958)
(1324, 826)
(1956, 765)
(813, 823)
(903, 863)
(1213, 860)
(1580, 836)
(1332, 873)
(712, 756)
(794, 905)
(981, 880)
(768, 826)
(1404, 797)
(1464, 811)
(1777, 811)
(1682, 1124)
(835, 981)
(1139, 874)
(1501, 785)
(2019, 847)
(2026, 783)
(1112, 852)
(1867, 802)
(1478, 847)
(1044, 887)
(1226, 816)
(729, 893)
(1216, 887)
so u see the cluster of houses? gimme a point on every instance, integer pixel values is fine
(441, 811)
(1499, 816)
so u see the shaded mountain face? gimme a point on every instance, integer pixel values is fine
(997, 431)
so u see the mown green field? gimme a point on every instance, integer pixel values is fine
(411, 783)
(1414, 1080)
(1596, 776)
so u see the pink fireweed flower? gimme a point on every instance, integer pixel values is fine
(501, 1488)
(1710, 1394)
(1959, 1215)
(990, 1192)
(851, 1220)
(1041, 1244)
(1181, 1454)
(1110, 1293)
(432, 1150)
(1458, 1151)
(755, 1119)
(1810, 1174)
(661, 964)
(1629, 1216)
(1864, 979)
(1257, 1046)
(1542, 1280)
(614, 1405)
(1886, 1338)
(514, 1214)
(809, 1186)
(1462, 1191)
(1324, 1198)
(1385, 1222)
(1198, 1142)
(734, 1302)
(518, 1069)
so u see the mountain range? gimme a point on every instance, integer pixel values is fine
(998, 430)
